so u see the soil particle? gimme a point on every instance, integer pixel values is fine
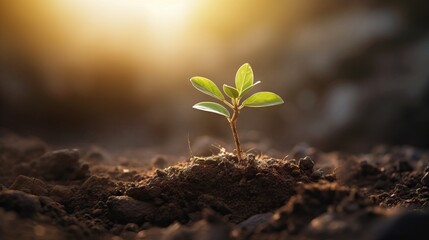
(425, 179)
(61, 165)
(25, 205)
(367, 169)
(52, 209)
(30, 185)
(61, 193)
(144, 193)
(126, 209)
(311, 200)
(90, 193)
(167, 214)
(306, 164)
(316, 175)
(331, 177)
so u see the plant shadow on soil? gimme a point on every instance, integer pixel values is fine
(64, 194)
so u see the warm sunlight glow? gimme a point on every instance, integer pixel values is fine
(156, 13)
(145, 39)
(166, 13)
(135, 27)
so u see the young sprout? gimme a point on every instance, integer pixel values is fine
(243, 84)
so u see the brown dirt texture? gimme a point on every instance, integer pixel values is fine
(92, 194)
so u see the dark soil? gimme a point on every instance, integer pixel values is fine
(91, 194)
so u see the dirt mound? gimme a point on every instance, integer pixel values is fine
(329, 196)
(235, 189)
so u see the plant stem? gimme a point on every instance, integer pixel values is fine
(233, 124)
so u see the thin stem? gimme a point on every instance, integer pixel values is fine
(233, 124)
(228, 104)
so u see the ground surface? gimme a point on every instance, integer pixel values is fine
(91, 194)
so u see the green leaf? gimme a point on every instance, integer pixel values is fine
(208, 87)
(212, 107)
(263, 99)
(249, 88)
(244, 78)
(230, 91)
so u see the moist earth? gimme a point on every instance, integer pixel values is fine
(90, 193)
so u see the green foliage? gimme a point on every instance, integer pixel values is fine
(249, 88)
(244, 78)
(230, 91)
(263, 99)
(212, 107)
(207, 86)
(244, 82)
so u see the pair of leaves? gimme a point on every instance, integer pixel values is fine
(244, 82)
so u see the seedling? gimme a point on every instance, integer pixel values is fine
(243, 84)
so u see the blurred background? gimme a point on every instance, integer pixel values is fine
(116, 73)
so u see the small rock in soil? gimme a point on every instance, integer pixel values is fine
(306, 164)
(331, 177)
(60, 193)
(97, 184)
(311, 200)
(91, 192)
(30, 185)
(317, 174)
(368, 169)
(25, 205)
(126, 209)
(61, 165)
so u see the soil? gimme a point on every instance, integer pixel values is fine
(91, 194)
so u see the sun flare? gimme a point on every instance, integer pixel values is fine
(158, 12)
(157, 18)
